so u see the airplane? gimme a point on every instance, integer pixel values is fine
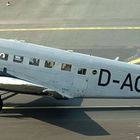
(41, 70)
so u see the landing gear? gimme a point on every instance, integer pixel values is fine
(1, 103)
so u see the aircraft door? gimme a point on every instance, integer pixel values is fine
(80, 83)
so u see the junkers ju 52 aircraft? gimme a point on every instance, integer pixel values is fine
(41, 70)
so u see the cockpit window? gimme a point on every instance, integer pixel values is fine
(4, 56)
(49, 64)
(18, 59)
(66, 67)
(34, 61)
(82, 71)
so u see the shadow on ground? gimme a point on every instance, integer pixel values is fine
(75, 120)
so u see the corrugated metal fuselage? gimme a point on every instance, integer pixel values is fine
(103, 77)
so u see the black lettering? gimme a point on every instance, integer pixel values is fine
(127, 82)
(116, 81)
(136, 84)
(104, 83)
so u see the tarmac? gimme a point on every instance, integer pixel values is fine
(102, 28)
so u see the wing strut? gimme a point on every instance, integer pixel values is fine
(5, 98)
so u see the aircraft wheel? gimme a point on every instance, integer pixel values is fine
(1, 103)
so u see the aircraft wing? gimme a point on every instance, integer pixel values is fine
(134, 59)
(21, 86)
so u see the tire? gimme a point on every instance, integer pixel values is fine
(1, 104)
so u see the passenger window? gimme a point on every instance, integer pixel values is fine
(49, 64)
(66, 67)
(82, 71)
(4, 56)
(18, 59)
(34, 61)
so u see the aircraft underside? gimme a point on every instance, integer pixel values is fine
(15, 86)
